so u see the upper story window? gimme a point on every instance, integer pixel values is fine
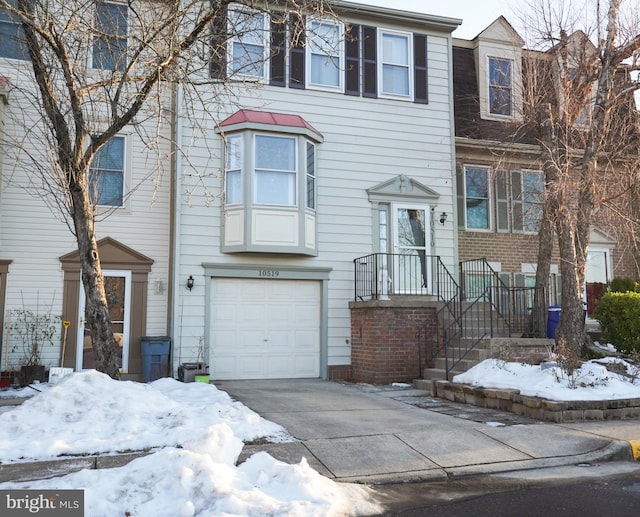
(321, 54)
(248, 48)
(110, 40)
(476, 192)
(395, 72)
(275, 170)
(500, 86)
(12, 44)
(325, 54)
(106, 174)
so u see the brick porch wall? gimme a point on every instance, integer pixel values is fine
(384, 347)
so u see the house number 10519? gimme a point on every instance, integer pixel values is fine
(269, 272)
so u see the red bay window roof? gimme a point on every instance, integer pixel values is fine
(269, 121)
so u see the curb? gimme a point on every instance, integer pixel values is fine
(31, 471)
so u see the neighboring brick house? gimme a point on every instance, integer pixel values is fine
(499, 178)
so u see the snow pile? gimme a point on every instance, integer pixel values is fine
(199, 433)
(593, 381)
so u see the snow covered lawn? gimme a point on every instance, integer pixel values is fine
(593, 381)
(196, 433)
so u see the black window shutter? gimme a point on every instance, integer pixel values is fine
(420, 68)
(369, 61)
(278, 53)
(218, 58)
(352, 62)
(297, 51)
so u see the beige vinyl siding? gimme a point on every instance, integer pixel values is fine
(366, 142)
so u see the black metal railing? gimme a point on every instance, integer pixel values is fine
(489, 308)
(480, 306)
(379, 275)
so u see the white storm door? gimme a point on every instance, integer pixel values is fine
(118, 291)
(411, 270)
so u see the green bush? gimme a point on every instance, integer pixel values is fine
(619, 317)
(623, 285)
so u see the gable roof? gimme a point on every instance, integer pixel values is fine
(502, 32)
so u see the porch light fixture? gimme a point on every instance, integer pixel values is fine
(443, 218)
(190, 282)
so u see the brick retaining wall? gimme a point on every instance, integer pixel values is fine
(534, 407)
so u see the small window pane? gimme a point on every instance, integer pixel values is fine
(277, 153)
(395, 49)
(275, 188)
(234, 187)
(325, 70)
(395, 79)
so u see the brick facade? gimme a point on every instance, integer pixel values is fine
(384, 346)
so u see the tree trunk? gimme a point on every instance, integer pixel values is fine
(571, 328)
(543, 269)
(97, 315)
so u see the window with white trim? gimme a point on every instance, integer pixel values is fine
(276, 170)
(531, 201)
(325, 54)
(477, 201)
(106, 174)
(248, 49)
(110, 39)
(233, 175)
(500, 86)
(12, 43)
(395, 73)
(311, 176)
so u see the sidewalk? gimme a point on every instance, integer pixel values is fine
(374, 434)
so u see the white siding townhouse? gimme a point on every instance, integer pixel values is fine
(39, 265)
(338, 145)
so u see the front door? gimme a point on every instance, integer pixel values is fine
(117, 286)
(411, 273)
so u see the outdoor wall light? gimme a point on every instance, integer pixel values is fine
(190, 282)
(443, 217)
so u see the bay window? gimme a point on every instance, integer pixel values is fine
(270, 184)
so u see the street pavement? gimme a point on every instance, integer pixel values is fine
(380, 434)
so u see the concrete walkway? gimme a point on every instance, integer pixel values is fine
(374, 434)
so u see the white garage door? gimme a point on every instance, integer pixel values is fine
(265, 329)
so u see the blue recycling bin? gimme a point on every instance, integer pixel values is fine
(155, 357)
(553, 320)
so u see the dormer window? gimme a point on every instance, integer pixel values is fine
(500, 86)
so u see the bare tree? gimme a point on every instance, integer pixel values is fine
(578, 102)
(97, 68)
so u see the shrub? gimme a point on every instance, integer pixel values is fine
(623, 285)
(619, 317)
